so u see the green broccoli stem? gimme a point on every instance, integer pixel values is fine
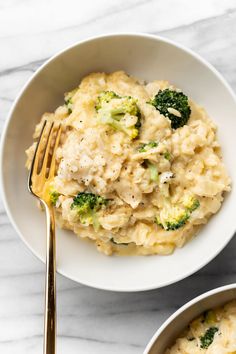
(115, 124)
(96, 224)
(117, 113)
(153, 171)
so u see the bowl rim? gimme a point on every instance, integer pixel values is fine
(186, 306)
(6, 127)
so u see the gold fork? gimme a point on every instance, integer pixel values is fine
(41, 173)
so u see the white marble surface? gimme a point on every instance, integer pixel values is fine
(93, 321)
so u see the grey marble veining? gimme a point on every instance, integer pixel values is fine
(94, 321)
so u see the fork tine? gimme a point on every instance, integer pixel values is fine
(46, 153)
(34, 164)
(53, 160)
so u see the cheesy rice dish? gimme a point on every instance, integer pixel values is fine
(139, 166)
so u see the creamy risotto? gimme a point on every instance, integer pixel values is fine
(139, 165)
(212, 333)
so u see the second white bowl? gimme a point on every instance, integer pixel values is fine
(175, 324)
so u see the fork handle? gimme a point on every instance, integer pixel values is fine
(50, 285)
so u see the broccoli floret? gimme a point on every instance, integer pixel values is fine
(112, 110)
(68, 100)
(87, 205)
(172, 217)
(167, 155)
(191, 203)
(105, 97)
(173, 105)
(69, 105)
(207, 339)
(145, 147)
(209, 317)
(53, 196)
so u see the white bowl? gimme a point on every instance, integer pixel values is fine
(147, 57)
(175, 324)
